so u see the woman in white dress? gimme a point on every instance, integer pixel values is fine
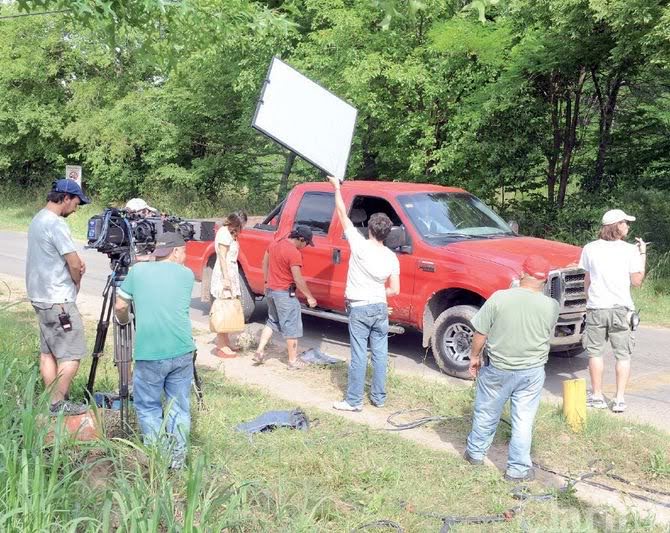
(225, 277)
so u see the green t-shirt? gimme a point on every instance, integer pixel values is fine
(161, 295)
(518, 324)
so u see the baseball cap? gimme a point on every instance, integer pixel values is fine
(166, 242)
(70, 187)
(616, 215)
(537, 267)
(137, 204)
(304, 233)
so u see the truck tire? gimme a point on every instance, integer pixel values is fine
(248, 301)
(452, 338)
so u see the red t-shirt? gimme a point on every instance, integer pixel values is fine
(283, 255)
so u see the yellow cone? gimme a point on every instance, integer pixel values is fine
(574, 403)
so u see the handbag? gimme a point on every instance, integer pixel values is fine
(226, 316)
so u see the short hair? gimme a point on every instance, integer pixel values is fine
(379, 226)
(236, 221)
(610, 232)
(58, 197)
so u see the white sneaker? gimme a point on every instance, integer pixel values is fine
(618, 406)
(344, 406)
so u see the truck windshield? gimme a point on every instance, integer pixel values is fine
(445, 216)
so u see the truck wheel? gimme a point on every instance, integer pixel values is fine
(248, 301)
(451, 340)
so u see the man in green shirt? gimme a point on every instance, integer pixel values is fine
(160, 292)
(515, 326)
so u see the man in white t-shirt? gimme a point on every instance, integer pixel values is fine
(612, 266)
(371, 266)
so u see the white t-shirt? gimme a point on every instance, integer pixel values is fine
(370, 265)
(610, 264)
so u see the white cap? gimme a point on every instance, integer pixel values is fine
(616, 215)
(137, 204)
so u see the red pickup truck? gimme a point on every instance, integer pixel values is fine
(454, 252)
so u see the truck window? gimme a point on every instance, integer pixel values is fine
(363, 207)
(316, 211)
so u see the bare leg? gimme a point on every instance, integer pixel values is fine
(67, 370)
(622, 375)
(48, 371)
(596, 370)
(266, 335)
(223, 343)
(292, 349)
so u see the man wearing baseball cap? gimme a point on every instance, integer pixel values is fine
(282, 274)
(160, 292)
(515, 326)
(138, 205)
(612, 266)
(54, 271)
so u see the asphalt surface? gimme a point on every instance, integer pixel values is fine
(648, 393)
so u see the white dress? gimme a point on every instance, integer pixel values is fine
(224, 237)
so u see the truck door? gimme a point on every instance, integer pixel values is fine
(362, 207)
(316, 210)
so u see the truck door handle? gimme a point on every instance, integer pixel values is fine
(427, 266)
(336, 256)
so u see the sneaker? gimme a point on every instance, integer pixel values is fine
(377, 404)
(528, 476)
(344, 406)
(618, 406)
(595, 402)
(472, 460)
(67, 408)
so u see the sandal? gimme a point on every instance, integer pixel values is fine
(225, 354)
(258, 358)
(298, 364)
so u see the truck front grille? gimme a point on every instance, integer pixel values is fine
(567, 288)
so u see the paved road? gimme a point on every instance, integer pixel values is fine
(648, 395)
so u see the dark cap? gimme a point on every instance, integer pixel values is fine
(166, 242)
(537, 267)
(302, 232)
(70, 187)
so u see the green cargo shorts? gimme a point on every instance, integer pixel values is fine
(608, 324)
(63, 345)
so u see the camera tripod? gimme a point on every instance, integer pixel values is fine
(123, 347)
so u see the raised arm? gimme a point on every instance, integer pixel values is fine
(340, 208)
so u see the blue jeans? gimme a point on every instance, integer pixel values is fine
(368, 322)
(494, 387)
(172, 377)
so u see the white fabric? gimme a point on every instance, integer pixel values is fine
(224, 237)
(610, 264)
(370, 266)
(48, 278)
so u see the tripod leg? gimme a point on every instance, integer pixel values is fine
(123, 357)
(197, 382)
(100, 337)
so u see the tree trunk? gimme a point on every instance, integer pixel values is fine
(607, 104)
(570, 137)
(552, 160)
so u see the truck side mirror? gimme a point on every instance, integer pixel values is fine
(514, 225)
(398, 241)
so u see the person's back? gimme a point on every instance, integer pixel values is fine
(161, 294)
(370, 266)
(48, 279)
(518, 323)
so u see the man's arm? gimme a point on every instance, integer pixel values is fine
(636, 278)
(587, 283)
(75, 266)
(340, 208)
(122, 310)
(394, 285)
(478, 343)
(266, 264)
(302, 285)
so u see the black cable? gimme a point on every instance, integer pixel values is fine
(34, 14)
(421, 421)
(384, 523)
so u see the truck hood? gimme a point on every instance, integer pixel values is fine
(512, 251)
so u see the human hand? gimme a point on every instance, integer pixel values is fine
(641, 245)
(475, 365)
(335, 182)
(225, 284)
(82, 268)
(311, 301)
(390, 310)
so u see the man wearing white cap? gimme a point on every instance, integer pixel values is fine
(137, 205)
(612, 266)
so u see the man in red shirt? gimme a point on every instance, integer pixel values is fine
(282, 274)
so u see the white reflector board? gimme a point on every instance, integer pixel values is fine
(306, 118)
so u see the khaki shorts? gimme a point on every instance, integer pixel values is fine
(608, 324)
(63, 345)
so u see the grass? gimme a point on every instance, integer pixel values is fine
(333, 478)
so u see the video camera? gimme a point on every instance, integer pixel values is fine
(123, 234)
